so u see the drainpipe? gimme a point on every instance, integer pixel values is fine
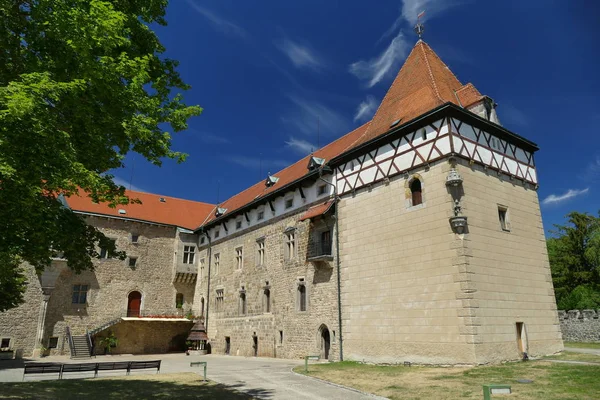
(337, 259)
(209, 256)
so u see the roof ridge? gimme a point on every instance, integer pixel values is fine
(437, 92)
(170, 197)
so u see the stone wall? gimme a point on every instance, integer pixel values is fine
(505, 273)
(20, 324)
(147, 337)
(300, 330)
(580, 326)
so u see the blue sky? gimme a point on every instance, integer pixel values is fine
(276, 78)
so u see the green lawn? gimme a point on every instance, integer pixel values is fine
(581, 345)
(551, 381)
(165, 386)
(572, 356)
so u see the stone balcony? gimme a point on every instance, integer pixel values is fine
(186, 273)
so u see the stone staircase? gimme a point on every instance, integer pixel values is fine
(81, 347)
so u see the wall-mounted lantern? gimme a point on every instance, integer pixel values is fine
(454, 178)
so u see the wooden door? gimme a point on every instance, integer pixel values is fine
(134, 304)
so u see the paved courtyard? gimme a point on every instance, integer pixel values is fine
(265, 378)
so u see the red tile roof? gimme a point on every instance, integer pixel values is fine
(423, 83)
(173, 211)
(317, 210)
(291, 173)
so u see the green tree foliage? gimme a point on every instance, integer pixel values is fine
(574, 252)
(82, 83)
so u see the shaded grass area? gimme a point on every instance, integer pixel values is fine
(581, 345)
(551, 380)
(572, 356)
(166, 386)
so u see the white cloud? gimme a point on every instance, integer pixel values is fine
(312, 117)
(255, 162)
(218, 22)
(300, 146)
(382, 66)
(366, 109)
(122, 182)
(554, 198)
(301, 56)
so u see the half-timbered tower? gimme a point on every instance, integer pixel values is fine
(441, 248)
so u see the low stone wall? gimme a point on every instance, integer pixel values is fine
(580, 326)
(147, 337)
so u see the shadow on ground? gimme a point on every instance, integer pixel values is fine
(169, 386)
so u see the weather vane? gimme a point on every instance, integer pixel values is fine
(419, 27)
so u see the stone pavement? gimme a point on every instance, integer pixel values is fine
(586, 351)
(264, 378)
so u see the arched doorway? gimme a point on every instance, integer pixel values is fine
(134, 304)
(325, 339)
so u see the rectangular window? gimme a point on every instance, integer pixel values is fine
(267, 300)
(290, 245)
(79, 294)
(238, 224)
(132, 262)
(260, 252)
(503, 218)
(217, 263)
(301, 295)
(104, 252)
(134, 238)
(260, 216)
(239, 255)
(289, 203)
(280, 337)
(217, 233)
(5, 344)
(202, 239)
(188, 254)
(321, 190)
(53, 342)
(219, 300)
(201, 268)
(242, 302)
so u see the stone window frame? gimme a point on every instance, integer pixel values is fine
(104, 252)
(10, 340)
(288, 202)
(408, 195)
(79, 294)
(135, 260)
(202, 266)
(301, 282)
(504, 218)
(219, 299)
(261, 248)
(321, 190)
(243, 301)
(217, 263)
(179, 300)
(260, 213)
(267, 299)
(134, 238)
(290, 244)
(239, 258)
(189, 254)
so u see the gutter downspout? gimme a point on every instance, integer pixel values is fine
(337, 261)
(209, 256)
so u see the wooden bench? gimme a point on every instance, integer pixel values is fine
(42, 368)
(112, 366)
(144, 365)
(86, 367)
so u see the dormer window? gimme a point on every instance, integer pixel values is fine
(315, 163)
(271, 180)
(220, 211)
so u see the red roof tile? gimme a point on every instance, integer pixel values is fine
(423, 83)
(317, 210)
(178, 212)
(468, 95)
(291, 173)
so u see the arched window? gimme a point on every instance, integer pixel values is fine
(415, 190)
(301, 297)
(179, 300)
(242, 303)
(267, 300)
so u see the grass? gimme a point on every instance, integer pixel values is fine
(551, 381)
(581, 345)
(166, 386)
(572, 356)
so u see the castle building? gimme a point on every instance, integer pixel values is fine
(415, 237)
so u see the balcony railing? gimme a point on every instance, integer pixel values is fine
(320, 250)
